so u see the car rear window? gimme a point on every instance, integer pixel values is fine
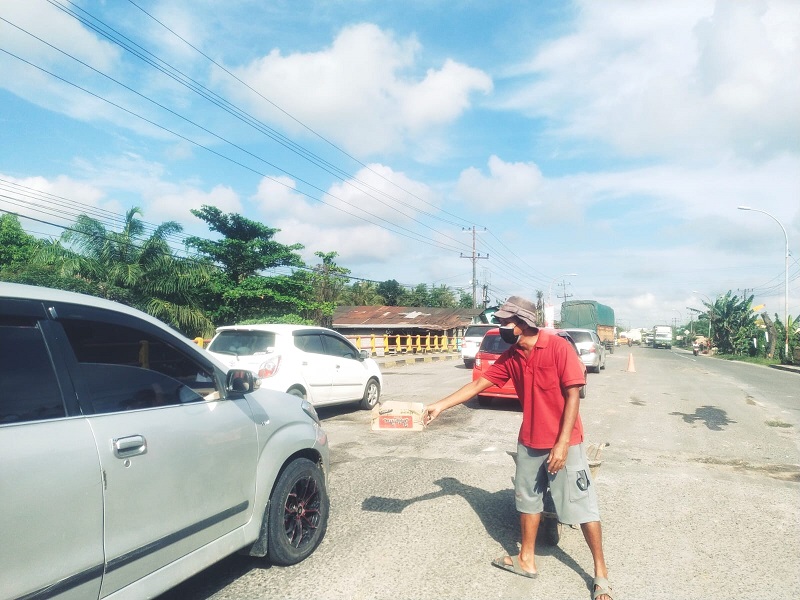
(478, 330)
(494, 344)
(581, 336)
(242, 342)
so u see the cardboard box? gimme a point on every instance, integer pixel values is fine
(393, 415)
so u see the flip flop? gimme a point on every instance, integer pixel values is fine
(514, 567)
(603, 587)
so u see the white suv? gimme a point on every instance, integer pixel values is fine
(473, 337)
(313, 363)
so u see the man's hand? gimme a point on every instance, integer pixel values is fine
(431, 412)
(557, 458)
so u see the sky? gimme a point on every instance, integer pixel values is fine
(593, 150)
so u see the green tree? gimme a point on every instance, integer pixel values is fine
(464, 299)
(417, 297)
(132, 267)
(16, 247)
(391, 291)
(361, 293)
(441, 297)
(328, 282)
(732, 323)
(239, 291)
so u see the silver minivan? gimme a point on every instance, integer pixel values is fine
(132, 459)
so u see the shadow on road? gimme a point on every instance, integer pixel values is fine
(495, 510)
(714, 418)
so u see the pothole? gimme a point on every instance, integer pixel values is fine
(783, 472)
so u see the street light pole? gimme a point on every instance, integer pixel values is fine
(786, 267)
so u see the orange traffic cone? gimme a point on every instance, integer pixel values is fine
(631, 368)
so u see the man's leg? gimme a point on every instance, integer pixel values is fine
(527, 554)
(593, 534)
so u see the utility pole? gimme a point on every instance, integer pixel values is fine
(474, 257)
(565, 295)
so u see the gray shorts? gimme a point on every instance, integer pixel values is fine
(572, 488)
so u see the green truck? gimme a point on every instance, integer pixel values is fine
(589, 314)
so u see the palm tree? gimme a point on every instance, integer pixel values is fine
(130, 267)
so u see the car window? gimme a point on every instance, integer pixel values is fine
(581, 336)
(309, 343)
(29, 389)
(128, 369)
(477, 330)
(494, 344)
(336, 347)
(242, 342)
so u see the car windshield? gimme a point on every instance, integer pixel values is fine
(494, 344)
(242, 342)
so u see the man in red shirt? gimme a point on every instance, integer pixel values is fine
(547, 375)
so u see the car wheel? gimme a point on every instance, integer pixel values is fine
(298, 513)
(469, 363)
(297, 392)
(372, 394)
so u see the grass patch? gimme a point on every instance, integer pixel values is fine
(755, 360)
(777, 423)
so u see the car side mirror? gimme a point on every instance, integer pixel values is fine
(240, 381)
(363, 354)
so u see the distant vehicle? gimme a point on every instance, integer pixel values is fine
(590, 348)
(133, 459)
(588, 314)
(662, 336)
(313, 363)
(472, 341)
(491, 348)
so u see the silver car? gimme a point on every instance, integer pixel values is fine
(132, 459)
(591, 349)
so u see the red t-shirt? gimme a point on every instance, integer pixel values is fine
(541, 382)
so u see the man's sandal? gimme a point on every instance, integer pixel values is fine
(601, 586)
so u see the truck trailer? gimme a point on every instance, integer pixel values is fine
(589, 314)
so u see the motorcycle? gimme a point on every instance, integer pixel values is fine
(695, 348)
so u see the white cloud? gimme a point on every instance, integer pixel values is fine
(354, 217)
(361, 91)
(507, 185)
(680, 79)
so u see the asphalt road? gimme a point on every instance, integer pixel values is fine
(699, 489)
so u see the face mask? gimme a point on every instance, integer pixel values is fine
(507, 334)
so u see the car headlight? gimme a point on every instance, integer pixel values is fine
(310, 411)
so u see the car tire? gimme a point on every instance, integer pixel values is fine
(298, 513)
(372, 393)
(469, 363)
(297, 392)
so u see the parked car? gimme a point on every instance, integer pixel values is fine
(472, 341)
(591, 349)
(313, 363)
(133, 459)
(491, 348)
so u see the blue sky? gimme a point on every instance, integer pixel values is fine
(613, 140)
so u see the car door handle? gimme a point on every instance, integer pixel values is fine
(131, 445)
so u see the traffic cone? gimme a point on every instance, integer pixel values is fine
(631, 368)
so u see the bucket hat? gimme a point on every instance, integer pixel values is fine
(518, 307)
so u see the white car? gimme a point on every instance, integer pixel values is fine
(313, 363)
